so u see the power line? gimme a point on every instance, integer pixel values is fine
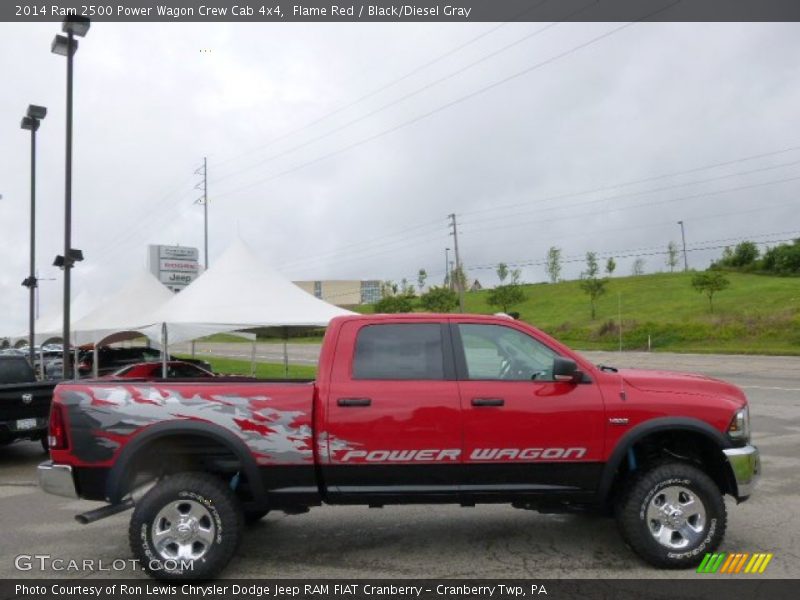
(442, 107)
(626, 195)
(641, 205)
(390, 84)
(638, 181)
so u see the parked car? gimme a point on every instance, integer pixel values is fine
(407, 409)
(112, 359)
(24, 401)
(176, 369)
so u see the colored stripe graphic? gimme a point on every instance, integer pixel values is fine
(733, 563)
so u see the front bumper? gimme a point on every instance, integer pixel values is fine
(57, 479)
(745, 465)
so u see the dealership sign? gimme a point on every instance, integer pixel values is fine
(174, 266)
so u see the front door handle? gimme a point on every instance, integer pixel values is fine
(488, 402)
(354, 401)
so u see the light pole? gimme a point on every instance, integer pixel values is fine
(31, 122)
(683, 237)
(447, 266)
(67, 46)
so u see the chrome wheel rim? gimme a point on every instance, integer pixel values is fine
(183, 529)
(676, 517)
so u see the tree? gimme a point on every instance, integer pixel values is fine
(745, 254)
(672, 256)
(406, 288)
(459, 278)
(709, 283)
(592, 267)
(421, 277)
(593, 286)
(506, 296)
(611, 265)
(439, 299)
(553, 264)
(394, 304)
(638, 266)
(502, 272)
(516, 275)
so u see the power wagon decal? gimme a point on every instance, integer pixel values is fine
(454, 454)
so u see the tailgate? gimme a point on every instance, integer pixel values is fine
(25, 401)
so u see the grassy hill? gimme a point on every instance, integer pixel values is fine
(757, 314)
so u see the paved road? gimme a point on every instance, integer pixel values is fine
(445, 541)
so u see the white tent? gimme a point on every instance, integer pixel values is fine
(50, 325)
(124, 314)
(239, 292)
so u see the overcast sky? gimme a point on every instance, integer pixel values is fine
(338, 150)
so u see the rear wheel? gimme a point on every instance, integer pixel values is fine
(186, 527)
(672, 515)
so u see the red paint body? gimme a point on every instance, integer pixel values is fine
(415, 436)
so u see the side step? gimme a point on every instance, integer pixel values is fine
(103, 512)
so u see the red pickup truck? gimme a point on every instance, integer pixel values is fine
(419, 408)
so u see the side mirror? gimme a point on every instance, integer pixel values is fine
(565, 369)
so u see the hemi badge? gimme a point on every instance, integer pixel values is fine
(618, 420)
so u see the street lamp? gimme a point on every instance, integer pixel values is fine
(66, 46)
(31, 122)
(683, 237)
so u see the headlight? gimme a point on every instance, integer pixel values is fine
(739, 428)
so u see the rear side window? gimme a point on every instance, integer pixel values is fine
(399, 351)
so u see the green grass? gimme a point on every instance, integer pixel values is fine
(231, 366)
(757, 314)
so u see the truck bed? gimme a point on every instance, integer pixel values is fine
(271, 417)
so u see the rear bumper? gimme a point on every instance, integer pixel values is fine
(745, 465)
(57, 479)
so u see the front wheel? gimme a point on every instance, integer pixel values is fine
(186, 527)
(672, 516)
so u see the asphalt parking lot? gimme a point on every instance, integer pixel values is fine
(445, 541)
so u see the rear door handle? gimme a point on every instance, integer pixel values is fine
(488, 402)
(354, 401)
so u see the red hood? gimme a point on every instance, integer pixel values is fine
(686, 383)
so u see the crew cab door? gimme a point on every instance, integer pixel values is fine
(524, 433)
(392, 422)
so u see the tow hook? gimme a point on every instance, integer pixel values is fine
(104, 511)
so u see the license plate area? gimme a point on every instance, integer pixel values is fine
(25, 424)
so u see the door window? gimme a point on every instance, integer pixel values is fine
(399, 351)
(495, 352)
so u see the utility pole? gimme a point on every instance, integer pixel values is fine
(447, 268)
(204, 201)
(683, 237)
(459, 272)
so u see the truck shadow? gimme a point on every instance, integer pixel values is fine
(431, 541)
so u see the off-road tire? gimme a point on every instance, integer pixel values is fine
(631, 514)
(223, 510)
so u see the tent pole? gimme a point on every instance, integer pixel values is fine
(253, 359)
(95, 363)
(285, 353)
(164, 350)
